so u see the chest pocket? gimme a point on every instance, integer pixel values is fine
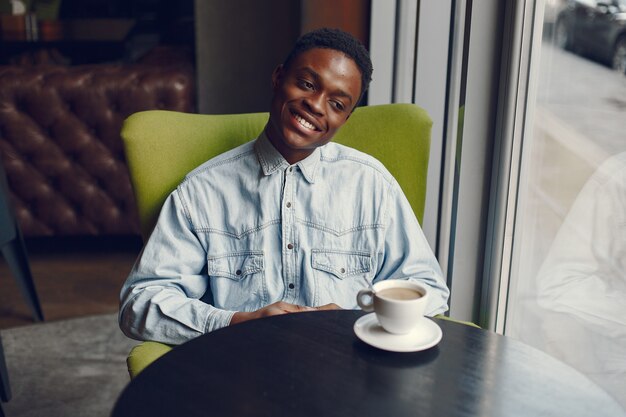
(238, 280)
(236, 266)
(341, 264)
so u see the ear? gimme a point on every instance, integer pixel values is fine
(277, 76)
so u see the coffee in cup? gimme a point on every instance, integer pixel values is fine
(400, 293)
(399, 304)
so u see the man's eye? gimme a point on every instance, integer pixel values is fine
(307, 85)
(338, 105)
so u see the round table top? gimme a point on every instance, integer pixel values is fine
(312, 364)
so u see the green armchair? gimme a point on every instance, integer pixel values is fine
(163, 146)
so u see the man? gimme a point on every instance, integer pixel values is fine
(286, 223)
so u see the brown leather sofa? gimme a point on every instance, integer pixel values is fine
(60, 141)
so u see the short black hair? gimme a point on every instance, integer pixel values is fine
(340, 41)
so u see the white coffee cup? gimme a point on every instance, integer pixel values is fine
(399, 304)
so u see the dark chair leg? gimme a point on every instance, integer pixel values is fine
(15, 254)
(5, 388)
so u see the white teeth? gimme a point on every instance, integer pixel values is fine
(304, 122)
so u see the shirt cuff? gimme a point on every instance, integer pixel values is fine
(218, 319)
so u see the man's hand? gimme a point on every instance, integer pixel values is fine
(331, 306)
(276, 309)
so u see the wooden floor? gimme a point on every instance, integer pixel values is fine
(74, 277)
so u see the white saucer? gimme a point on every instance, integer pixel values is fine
(426, 335)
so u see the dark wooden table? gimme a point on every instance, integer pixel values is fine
(312, 364)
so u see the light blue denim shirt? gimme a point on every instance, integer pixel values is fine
(246, 229)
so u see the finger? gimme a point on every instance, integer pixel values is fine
(330, 306)
(272, 311)
(289, 308)
(304, 308)
(294, 308)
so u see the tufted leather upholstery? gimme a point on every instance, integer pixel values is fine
(60, 141)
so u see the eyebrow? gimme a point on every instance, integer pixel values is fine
(339, 92)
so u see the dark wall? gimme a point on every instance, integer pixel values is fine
(238, 45)
(240, 42)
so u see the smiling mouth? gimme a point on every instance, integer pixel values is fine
(304, 123)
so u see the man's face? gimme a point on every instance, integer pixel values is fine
(313, 98)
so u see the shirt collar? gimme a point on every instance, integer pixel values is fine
(272, 161)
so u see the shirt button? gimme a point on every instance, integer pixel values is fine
(288, 205)
(343, 270)
(291, 286)
(238, 272)
(290, 169)
(290, 246)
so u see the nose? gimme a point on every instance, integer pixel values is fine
(315, 104)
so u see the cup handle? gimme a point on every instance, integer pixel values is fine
(365, 306)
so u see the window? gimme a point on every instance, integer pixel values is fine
(567, 282)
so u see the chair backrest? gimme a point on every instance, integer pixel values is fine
(163, 146)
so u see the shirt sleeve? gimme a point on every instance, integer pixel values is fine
(160, 300)
(406, 253)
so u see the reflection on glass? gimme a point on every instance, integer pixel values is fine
(581, 286)
(593, 28)
(568, 282)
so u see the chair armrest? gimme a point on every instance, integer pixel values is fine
(143, 355)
